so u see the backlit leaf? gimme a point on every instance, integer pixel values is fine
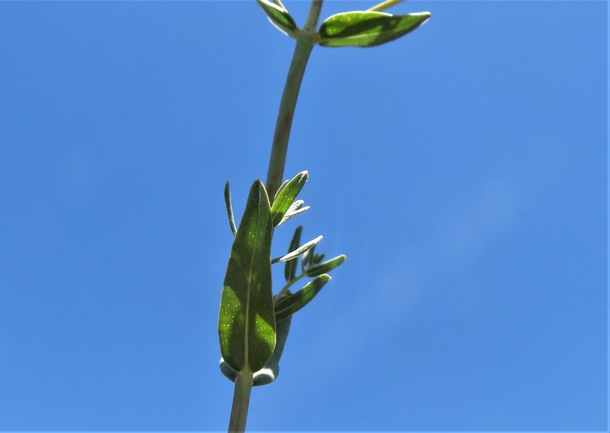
(325, 267)
(271, 370)
(367, 28)
(279, 17)
(300, 250)
(246, 323)
(286, 196)
(293, 303)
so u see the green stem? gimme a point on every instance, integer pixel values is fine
(288, 285)
(241, 401)
(305, 43)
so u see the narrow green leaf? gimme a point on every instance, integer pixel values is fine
(229, 208)
(246, 323)
(368, 28)
(290, 269)
(279, 17)
(293, 303)
(305, 247)
(287, 195)
(325, 267)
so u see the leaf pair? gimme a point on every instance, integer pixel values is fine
(351, 29)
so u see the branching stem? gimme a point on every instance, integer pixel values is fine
(288, 285)
(305, 42)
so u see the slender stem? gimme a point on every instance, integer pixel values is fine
(305, 43)
(241, 401)
(288, 285)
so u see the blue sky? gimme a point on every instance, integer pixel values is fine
(461, 169)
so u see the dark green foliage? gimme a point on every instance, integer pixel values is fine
(291, 265)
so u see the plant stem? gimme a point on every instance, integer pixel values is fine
(305, 42)
(241, 401)
(288, 285)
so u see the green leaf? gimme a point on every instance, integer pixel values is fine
(325, 267)
(279, 190)
(246, 323)
(279, 17)
(229, 208)
(368, 28)
(303, 248)
(271, 370)
(317, 259)
(293, 303)
(290, 270)
(285, 197)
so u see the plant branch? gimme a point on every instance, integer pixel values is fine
(305, 42)
(288, 285)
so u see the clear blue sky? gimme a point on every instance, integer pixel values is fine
(461, 169)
